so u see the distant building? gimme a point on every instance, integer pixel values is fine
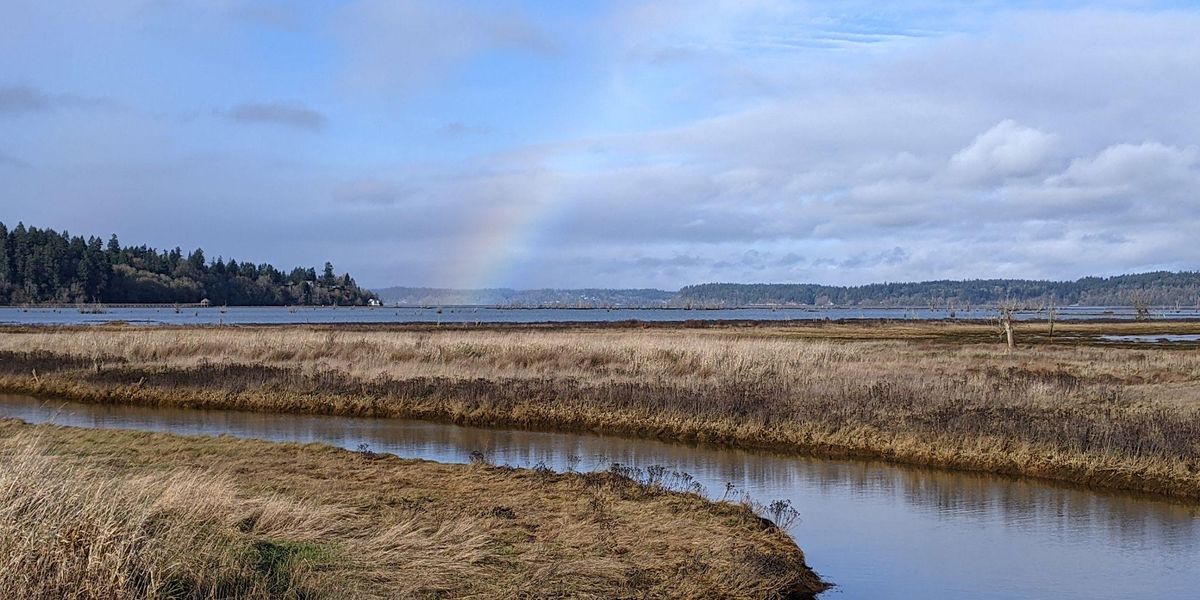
(205, 303)
(374, 302)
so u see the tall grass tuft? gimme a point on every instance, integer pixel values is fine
(69, 531)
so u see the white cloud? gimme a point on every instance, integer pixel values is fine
(1006, 150)
(1147, 166)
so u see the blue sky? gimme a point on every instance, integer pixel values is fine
(613, 144)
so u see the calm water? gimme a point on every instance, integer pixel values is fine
(1153, 338)
(473, 314)
(878, 531)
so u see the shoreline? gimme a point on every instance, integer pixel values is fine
(933, 455)
(1062, 325)
(640, 408)
(101, 398)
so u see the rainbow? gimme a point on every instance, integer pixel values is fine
(499, 238)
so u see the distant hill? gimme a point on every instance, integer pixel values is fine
(582, 298)
(45, 266)
(1157, 288)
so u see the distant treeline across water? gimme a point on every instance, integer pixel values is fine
(1161, 288)
(44, 266)
(40, 266)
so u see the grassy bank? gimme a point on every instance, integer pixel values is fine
(118, 514)
(1069, 408)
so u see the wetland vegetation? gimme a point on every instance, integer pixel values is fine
(124, 514)
(1068, 407)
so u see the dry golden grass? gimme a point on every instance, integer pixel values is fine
(928, 393)
(119, 514)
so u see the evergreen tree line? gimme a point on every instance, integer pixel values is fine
(45, 266)
(1161, 288)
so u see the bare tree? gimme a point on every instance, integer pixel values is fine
(1051, 313)
(1006, 324)
(1141, 305)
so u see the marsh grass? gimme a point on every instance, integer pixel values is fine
(938, 394)
(121, 514)
(72, 531)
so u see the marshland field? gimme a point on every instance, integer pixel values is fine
(1068, 406)
(257, 518)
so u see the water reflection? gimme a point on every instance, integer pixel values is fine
(877, 530)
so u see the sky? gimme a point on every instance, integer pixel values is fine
(613, 144)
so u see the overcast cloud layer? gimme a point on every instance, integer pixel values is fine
(613, 144)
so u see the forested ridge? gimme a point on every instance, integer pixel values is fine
(1161, 288)
(1158, 288)
(46, 266)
